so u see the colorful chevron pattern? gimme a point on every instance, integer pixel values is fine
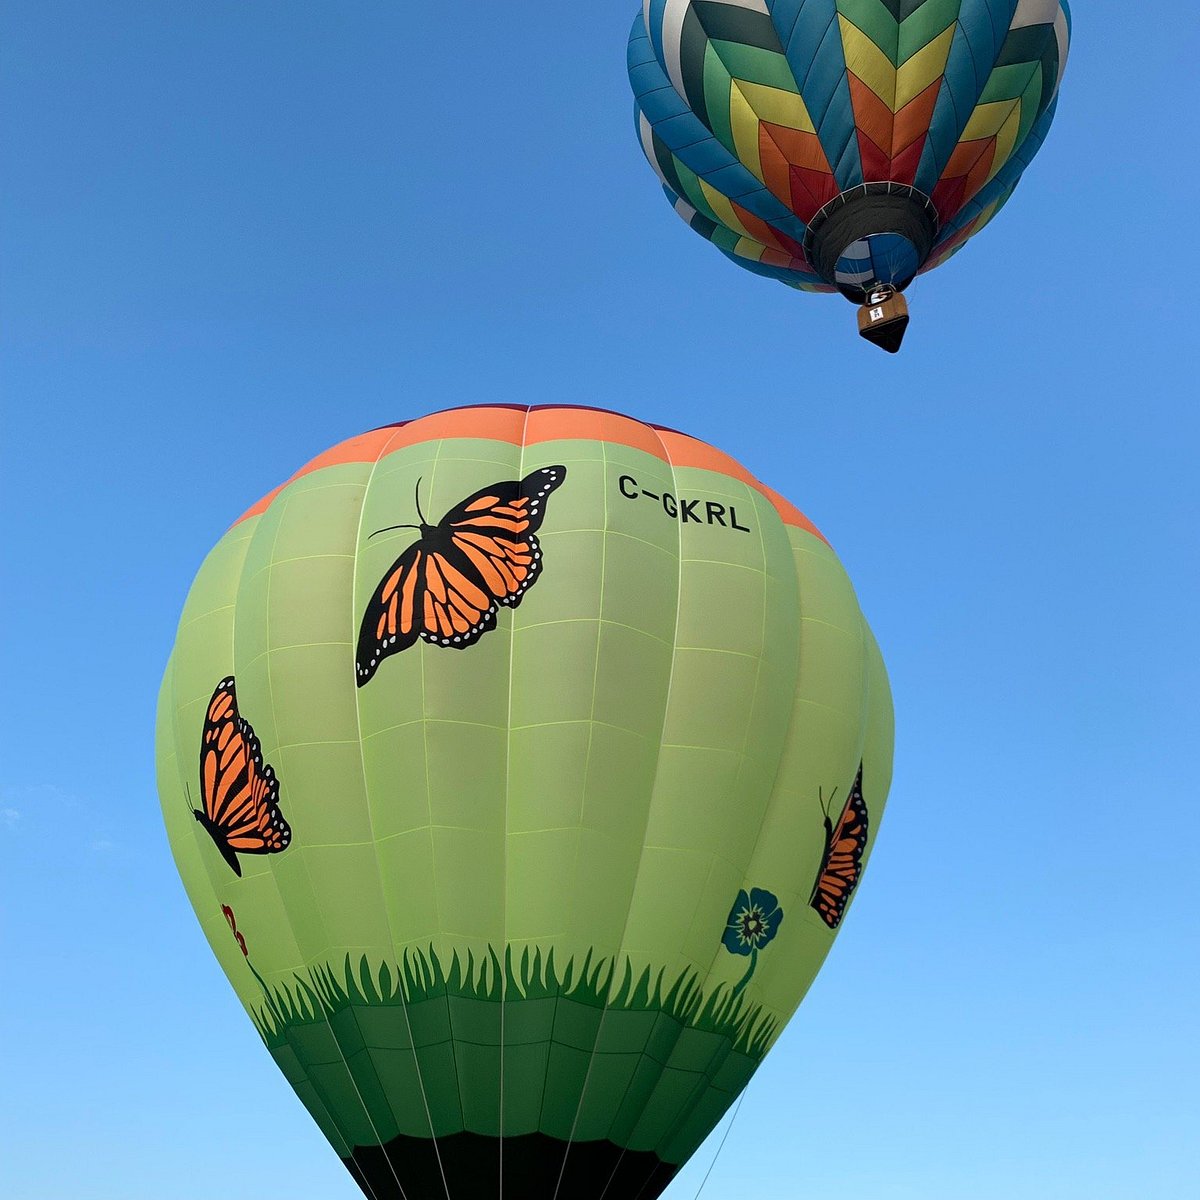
(757, 113)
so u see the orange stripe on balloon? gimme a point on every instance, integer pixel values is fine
(872, 116)
(367, 447)
(532, 426)
(758, 229)
(914, 119)
(687, 451)
(589, 424)
(799, 148)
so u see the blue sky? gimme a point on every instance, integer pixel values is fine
(235, 234)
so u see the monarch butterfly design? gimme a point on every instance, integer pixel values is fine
(841, 864)
(240, 792)
(447, 587)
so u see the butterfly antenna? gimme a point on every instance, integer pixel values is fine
(420, 514)
(821, 798)
(188, 792)
(389, 530)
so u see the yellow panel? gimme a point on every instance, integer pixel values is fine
(987, 120)
(720, 204)
(776, 106)
(868, 62)
(1006, 140)
(923, 68)
(745, 125)
(749, 248)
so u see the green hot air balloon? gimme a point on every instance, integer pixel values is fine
(520, 764)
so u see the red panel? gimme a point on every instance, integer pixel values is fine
(906, 164)
(876, 165)
(948, 197)
(811, 190)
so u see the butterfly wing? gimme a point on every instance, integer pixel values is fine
(492, 556)
(841, 866)
(511, 509)
(240, 792)
(448, 587)
(394, 615)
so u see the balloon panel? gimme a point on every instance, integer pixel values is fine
(881, 256)
(536, 906)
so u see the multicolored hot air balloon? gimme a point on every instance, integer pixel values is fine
(520, 764)
(845, 144)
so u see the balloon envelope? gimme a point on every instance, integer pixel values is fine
(837, 144)
(519, 765)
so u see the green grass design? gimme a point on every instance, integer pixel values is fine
(314, 997)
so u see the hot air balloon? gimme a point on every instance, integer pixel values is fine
(520, 765)
(845, 145)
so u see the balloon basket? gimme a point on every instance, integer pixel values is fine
(883, 319)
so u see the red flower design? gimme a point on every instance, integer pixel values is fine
(227, 912)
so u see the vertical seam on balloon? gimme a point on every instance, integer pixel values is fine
(370, 822)
(269, 866)
(755, 498)
(233, 670)
(795, 708)
(763, 511)
(762, 508)
(766, 810)
(424, 651)
(621, 1156)
(182, 772)
(211, 874)
(512, 647)
(617, 954)
(284, 501)
(560, 995)
(583, 795)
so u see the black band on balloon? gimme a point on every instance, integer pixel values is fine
(532, 1166)
(872, 208)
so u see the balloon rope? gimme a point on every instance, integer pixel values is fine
(721, 1147)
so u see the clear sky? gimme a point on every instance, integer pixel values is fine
(234, 234)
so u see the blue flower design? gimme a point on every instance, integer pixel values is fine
(753, 922)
